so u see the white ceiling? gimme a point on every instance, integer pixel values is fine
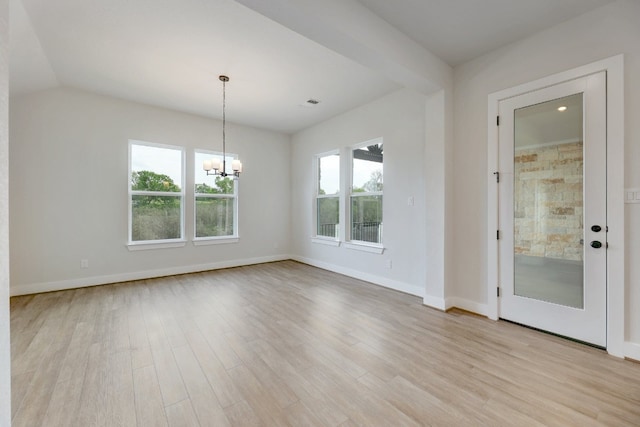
(460, 30)
(169, 53)
(544, 124)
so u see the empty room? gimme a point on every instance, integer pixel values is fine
(303, 213)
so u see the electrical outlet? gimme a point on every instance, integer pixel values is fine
(84, 263)
(410, 201)
(632, 195)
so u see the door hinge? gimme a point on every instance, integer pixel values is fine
(498, 291)
(497, 234)
(497, 120)
(497, 174)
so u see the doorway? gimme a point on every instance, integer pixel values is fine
(552, 203)
(556, 217)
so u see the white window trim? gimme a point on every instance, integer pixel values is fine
(216, 240)
(349, 242)
(156, 244)
(315, 238)
(328, 241)
(358, 245)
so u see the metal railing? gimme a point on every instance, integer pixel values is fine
(328, 230)
(366, 231)
(370, 231)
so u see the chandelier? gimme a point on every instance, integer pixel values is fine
(215, 166)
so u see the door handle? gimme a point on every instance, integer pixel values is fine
(596, 244)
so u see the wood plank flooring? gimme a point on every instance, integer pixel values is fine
(285, 344)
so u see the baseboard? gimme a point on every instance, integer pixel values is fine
(34, 288)
(467, 305)
(434, 302)
(632, 351)
(376, 280)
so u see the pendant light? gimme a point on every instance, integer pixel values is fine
(215, 166)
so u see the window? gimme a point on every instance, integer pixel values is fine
(156, 193)
(328, 196)
(365, 207)
(216, 202)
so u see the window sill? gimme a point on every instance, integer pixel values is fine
(325, 241)
(156, 245)
(364, 247)
(206, 241)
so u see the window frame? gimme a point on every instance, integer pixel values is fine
(213, 240)
(158, 243)
(333, 241)
(375, 247)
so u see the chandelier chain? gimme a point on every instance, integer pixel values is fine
(224, 122)
(215, 166)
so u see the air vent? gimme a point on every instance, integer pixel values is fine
(313, 101)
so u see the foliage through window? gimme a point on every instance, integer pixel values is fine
(215, 200)
(365, 206)
(328, 196)
(156, 194)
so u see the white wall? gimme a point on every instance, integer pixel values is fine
(5, 345)
(69, 160)
(399, 119)
(603, 33)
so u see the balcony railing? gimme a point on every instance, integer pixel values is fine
(367, 231)
(370, 231)
(328, 230)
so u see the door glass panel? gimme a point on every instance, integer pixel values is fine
(548, 201)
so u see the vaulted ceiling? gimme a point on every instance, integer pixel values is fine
(278, 54)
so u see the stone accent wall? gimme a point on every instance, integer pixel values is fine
(548, 201)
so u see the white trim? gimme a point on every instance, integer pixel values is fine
(396, 285)
(493, 270)
(614, 66)
(181, 194)
(325, 241)
(349, 191)
(335, 151)
(195, 195)
(616, 301)
(468, 305)
(632, 351)
(214, 195)
(155, 244)
(434, 302)
(205, 241)
(316, 188)
(33, 288)
(367, 194)
(373, 141)
(364, 247)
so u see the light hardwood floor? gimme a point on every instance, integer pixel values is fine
(288, 344)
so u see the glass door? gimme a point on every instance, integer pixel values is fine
(553, 209)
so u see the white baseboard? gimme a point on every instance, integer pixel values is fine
(34, 288)
(376, 280)
(434, 302)
(468, 305)
(632, 351)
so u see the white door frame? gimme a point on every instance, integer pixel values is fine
(614, 67)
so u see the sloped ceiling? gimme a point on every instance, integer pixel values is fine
(278, 54)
